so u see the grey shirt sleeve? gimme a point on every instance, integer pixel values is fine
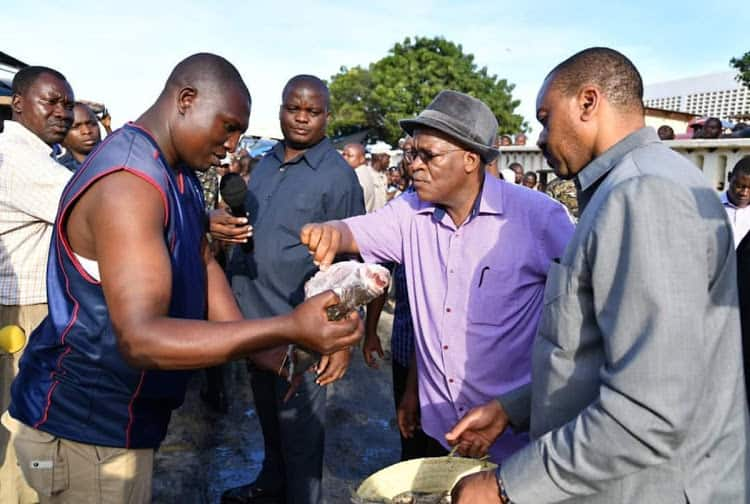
(517, 405)
(648, 258)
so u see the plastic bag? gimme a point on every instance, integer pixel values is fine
(356, 284)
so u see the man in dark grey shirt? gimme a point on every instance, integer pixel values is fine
(303, 179)
(637, 392)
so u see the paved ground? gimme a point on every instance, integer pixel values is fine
(205, 453)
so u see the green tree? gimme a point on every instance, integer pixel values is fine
(350, 89)
(405, 81)
(743, 67)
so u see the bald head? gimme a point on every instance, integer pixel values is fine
(208, 73)
(610, 71)
(354, 154)
(310, 82)
(201, 113)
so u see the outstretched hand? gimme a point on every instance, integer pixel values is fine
(372, 344)
(322, 240)
(478, 429)
(314, 331)
(333, 367)
(225, 227)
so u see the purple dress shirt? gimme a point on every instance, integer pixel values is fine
(475, 293)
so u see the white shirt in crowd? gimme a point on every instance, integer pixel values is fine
(31, 183)
(739, 217)
(374, 186)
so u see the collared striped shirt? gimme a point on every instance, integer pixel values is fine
(31, 183)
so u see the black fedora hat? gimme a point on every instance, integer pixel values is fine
(463, 118)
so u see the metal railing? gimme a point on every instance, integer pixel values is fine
(715, 158)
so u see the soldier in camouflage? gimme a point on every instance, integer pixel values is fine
(209, 180)
(565, 192)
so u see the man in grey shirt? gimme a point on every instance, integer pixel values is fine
(637, 390)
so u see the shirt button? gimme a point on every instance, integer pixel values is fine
(461, 408)
(445, 347)
(451, 271)
(450, 380)
(448, 310)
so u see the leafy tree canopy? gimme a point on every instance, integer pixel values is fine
(405, 81)
(742, 65)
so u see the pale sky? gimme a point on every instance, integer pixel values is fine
(120, 53)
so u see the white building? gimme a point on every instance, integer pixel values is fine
(713, 95)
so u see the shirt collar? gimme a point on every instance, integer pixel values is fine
(313, 155)
(489, 201)
(18, 130)
(724, 197)
(602, 165)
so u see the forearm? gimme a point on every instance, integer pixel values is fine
(412, 384)
(347, 245)
(169, 343)
(222, 306)
(374, 309)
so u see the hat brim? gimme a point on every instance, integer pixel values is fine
(488, 154)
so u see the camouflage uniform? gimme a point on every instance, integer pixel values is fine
(209, 180)
(565, 192)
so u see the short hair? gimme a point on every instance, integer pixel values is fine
(530, 174)
(26, 77)
(742, 167)
(207, 69)
(611, 71)
(308, 79)
(715, 120)
(665, 132)
(510, 166)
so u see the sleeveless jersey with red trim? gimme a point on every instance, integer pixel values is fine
(72, 381)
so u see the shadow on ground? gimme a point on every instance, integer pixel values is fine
(205, 453)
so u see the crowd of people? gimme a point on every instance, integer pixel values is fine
(586, 335)
(707, 129)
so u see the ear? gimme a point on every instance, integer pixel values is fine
(589, 101)
(472, 162)
(185, 99)
(16, 103)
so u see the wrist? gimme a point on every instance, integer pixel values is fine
(288, 328)
(502, 493)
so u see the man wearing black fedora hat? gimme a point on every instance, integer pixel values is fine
(477, 251)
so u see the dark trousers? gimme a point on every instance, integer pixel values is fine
(293, 436)
(420, 445)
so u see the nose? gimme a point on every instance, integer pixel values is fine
(416, 164)
(62, 112)
(301, 116)
(87, 130)
(542, 141)
(230, 144)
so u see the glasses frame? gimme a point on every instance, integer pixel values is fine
(426, 157)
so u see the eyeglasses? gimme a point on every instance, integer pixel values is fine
(411, 155)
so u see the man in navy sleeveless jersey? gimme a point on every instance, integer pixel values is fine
(130, 285)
